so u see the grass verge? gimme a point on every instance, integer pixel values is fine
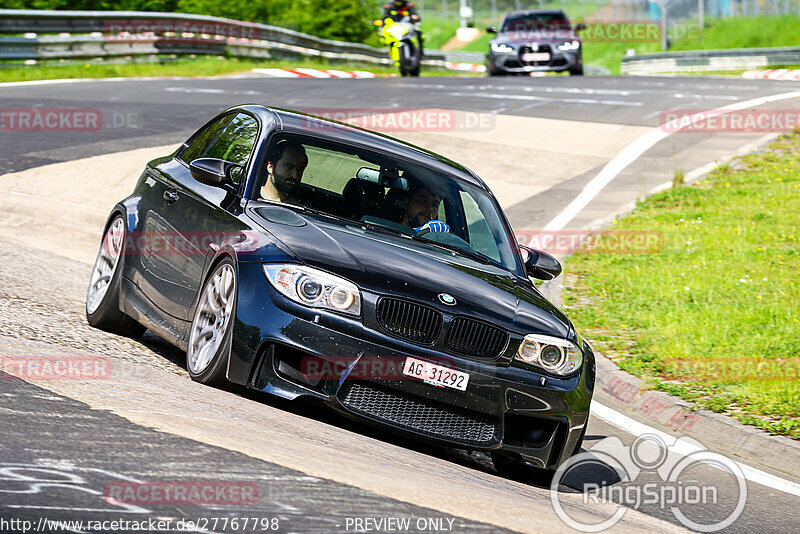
(201, 66)
(714, 316)
(742, 32)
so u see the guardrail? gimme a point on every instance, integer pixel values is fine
(114, 34)
(710, 60)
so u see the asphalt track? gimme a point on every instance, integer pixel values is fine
(315, 471)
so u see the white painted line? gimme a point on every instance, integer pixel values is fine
(634, 427)
(633, 151)
(502, 96)
(72, 80)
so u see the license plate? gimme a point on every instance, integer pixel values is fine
(536, 56)
(436, 375)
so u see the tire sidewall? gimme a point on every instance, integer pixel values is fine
(217, 371)
(108, 311)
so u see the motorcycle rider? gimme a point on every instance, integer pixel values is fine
(398, 9)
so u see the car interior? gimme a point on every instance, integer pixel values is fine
(372, 188)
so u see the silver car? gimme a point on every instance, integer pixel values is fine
(535, 40)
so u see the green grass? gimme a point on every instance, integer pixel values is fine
(609, 55)
(714, 316)
(481, 44)
(749, 32)
(202, 66)
(437, 31)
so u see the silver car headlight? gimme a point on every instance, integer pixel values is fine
(315, 288)
(502, 48)
(553, 354)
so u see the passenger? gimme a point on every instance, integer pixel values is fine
(285, 168)
(421, 206)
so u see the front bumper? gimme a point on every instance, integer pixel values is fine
(511, 62)
(289, 350)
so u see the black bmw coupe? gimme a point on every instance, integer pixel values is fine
(309, 258)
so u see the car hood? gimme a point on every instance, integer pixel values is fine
(390, 264)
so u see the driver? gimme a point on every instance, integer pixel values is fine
(399, 9)
(421, 206)
(285, 168)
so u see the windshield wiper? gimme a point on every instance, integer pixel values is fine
(475, 255)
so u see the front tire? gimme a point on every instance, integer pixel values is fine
(103, 295)
(211, 331)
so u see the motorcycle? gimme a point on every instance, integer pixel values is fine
(403, 40)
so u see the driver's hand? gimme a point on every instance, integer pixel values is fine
(434, 226)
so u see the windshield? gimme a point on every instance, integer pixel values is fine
(386, 194)
(535, 21)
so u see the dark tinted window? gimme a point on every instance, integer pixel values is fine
(233, 143)
(399, 196)
(236, 141)
(533, 21)
(200, 143)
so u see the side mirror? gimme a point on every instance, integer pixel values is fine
(214, 172)
(539, 264)
(491, 29)
(580, 27)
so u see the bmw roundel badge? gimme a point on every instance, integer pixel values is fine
(447, 299)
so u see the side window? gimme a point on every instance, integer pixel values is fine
(236, 141)
(200, 143)
(330, 170)
(480, 235)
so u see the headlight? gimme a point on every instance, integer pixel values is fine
(554, 355)
(314, 288)
(397, 31)
(502, 48)
(569, 45)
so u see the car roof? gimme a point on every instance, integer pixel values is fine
(536, 12)
(303, 123)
